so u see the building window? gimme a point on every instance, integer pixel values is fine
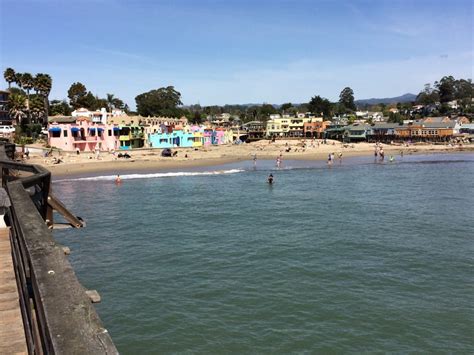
(110, 132)
(65, 133)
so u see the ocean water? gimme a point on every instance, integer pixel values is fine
(357, 257)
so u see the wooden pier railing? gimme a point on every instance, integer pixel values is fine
(57, 313)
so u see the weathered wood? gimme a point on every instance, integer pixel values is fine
(93, 296)
(67, 320)
(12, 334)
(58, 206)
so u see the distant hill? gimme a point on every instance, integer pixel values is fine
(374, 101)
(387, 100)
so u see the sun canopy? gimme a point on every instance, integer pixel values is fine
(55, 129)
(116, 128)
(100, 129)
(75, 129)
(92, 129)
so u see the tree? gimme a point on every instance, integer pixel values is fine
(37, 109)
(428, 96)
(110, 101)
(43, 84)
(346, 98)
(320, 106)
(285, 107)
(27, 82)
(114, 102)
(77, 94)
(395, 117)
(266, 110)
(464, 91)
(58, 107)
(17, 106)
(9, 75)
(446, 88)
(159, 102)
(92, 102)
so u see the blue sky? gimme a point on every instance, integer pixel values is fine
(218, 52)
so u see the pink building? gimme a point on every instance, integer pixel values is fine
(70, 133)
(219, 136)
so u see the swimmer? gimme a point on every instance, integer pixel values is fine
(392, 158)
(118, 180)
(270, 179)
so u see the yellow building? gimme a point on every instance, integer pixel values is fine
(288, 126)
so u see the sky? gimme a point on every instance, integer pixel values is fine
(219, 52)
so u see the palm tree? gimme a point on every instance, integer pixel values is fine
(9, 75)
(110, 101)
(37, 108)
(43, 85)
(16, 103)
(27, 82)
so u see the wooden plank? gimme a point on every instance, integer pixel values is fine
(12, 333)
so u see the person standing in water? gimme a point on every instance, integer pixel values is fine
(255, 160)
(270, 179)
(118, 180)
(278, 161)
(329, 159)
(340, 157)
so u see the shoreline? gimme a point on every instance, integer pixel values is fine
(151, 161)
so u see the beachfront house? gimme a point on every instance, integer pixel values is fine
(426, 131)
(255, 130)
(314, 129)
(356, 132)
(289, 126)
(80, 133)
(382, 132)
(131, 137)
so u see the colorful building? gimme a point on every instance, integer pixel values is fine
(131, 136)
(80, 133)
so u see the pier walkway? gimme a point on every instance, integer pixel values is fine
(44, 309)
(12, 333)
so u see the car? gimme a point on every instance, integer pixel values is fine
(7, 129)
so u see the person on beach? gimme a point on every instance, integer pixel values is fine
(382, 154)
(118, 180)
(77, 151)
(270, 179)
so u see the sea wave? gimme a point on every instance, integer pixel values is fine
(154, 175)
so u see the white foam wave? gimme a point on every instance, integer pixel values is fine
(154, 175)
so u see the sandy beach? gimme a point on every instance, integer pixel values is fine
(151, 159)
